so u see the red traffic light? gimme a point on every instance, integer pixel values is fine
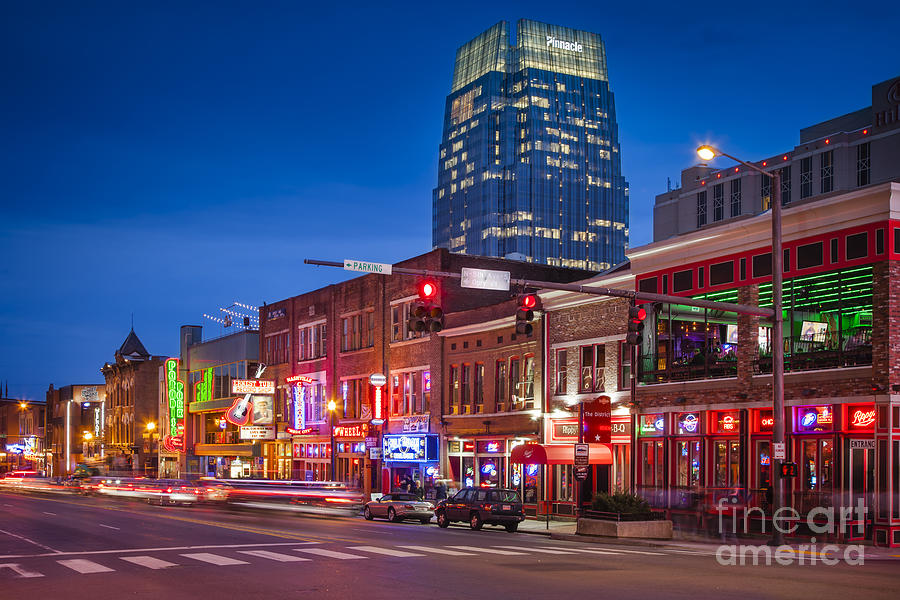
(427, 289)
(637, 313)
(528, 301)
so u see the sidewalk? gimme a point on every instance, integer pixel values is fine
(565, 531)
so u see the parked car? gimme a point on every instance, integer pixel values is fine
(398, 507)
(480, 507)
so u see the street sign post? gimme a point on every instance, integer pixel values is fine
(484, 279)
(367, 267)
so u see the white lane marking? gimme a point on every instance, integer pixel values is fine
(148, 561)
(438, 550)
(49, 513)
(39, 545)
(84, 566)
(384, 551)
(108, 526)
(4, 504)
(215, 559)
(541, 550)
(613, 551)
(329, 553)
(604, 552)
(123, 550)
(21, 571)
(488, 550)
(272, 555)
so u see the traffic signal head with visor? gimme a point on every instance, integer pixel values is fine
(527, 303)
(636, 316)
(426, 313)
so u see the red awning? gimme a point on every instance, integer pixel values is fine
(558, 454)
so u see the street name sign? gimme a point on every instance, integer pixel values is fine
(484, 279)
(367, 267)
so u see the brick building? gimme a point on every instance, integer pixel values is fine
(337, 336)
(132, 392)
(22, 444)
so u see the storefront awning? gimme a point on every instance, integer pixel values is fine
(558, 454)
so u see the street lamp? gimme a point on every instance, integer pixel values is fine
(151, 426)
(332, 405)
(707, 153)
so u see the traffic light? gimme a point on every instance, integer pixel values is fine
(426, 313)
(636, 316)
(525, 313)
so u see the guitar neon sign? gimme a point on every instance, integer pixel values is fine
(239, 413)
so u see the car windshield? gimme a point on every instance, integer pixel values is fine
(404, 497)
(505, 496)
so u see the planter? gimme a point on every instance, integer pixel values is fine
(651, 530)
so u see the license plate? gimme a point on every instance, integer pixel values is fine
(506, 507)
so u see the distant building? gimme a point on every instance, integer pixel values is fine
(132, 390)
(843, 154)
(76, 416)
(529, 165)
(22, 435)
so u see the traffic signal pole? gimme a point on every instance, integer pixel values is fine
(744, 309)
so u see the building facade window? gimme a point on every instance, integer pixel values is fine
(806, 177)
(863, 162)
(353, 396)
(515, 400)
(276, 347)
(410, 392)
(701, 209)
(624, 366)
(478, 391)
(786, 185)
(454, 389)
(311, 342)
(358, 331)
(400, 313)
(827, 171)
(593, 364)
(765, 191)
(562, 375)
(718, 203)
(735, 197)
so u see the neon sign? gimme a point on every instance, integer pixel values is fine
(409, 447)
(728, 423)
(651, 424)
(688, 423)
(767, 422)
(299, 406)
(862, 418)
(493, 447)
(377, 399)
(299, 379)
(359, 430)
(265, 387)
(174, 442)
(814, 419)
(203, 388)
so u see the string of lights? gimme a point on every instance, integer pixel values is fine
(234, 313)
(247, 306)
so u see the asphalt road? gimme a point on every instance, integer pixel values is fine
(87, 548)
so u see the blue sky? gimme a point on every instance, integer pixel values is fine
(168, 158)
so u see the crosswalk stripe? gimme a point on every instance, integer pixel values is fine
(215, 559)
(148, 561)
(272, 555)
(488, 550)
(329, 553)
(21, 571)
(438, 550)
(604, 552)
(541, 550)
(385, 551)
(84, 566)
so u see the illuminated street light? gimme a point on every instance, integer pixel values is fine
(23, 405)
(88, 436)
(151, 426)
(707, 152)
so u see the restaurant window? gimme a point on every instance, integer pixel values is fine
(682, 281)
(857, 245)
(762, 265)
(827, 171)
(810, 255)
(562, 357)
(565, 483)
(653, 467)
(727, 461)
(687, 464)
(763, 464)
(721, 273)
(817, 465)
(500, 395)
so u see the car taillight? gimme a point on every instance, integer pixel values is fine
(169, 491)
(408, 506)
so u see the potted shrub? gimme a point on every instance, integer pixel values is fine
(623, 515)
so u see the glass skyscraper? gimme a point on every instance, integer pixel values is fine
(529, 163)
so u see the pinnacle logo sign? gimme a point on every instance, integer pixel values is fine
(553, 42)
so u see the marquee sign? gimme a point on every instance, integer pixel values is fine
(264, 387)
(409, 448)
(351, 431)
(175, 397)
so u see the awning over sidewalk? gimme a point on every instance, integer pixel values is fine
(558, 454)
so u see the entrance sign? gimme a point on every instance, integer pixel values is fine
(484, 279)
(862, 444)
(367, 267)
